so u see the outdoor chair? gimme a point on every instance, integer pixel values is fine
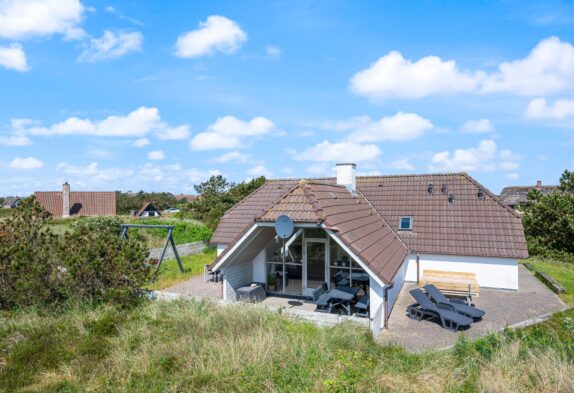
(340, 280)
(458, 305)
(324, 303)
(362, 307)
(450, 319)
(320, 290)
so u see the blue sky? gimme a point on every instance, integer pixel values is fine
(126, 95)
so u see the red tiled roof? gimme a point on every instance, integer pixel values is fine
(81, 203)
(189, 197)
(470, 226)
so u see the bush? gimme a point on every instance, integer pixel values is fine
(89, 263)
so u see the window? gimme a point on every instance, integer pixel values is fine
(406, 224)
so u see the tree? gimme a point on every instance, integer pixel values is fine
(128, 202)
(549, 219)
(216, 196)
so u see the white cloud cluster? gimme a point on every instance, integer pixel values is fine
(141, 122)
(540, 109)
(233, 156)
(13, 57)
(273, 52)
(339, 152)
(548, 68)
(92, 173)
(216, 34)
(21, 19)
(28, 163)
(156, 155)
(259, 170)
(111, 46)
(480, 126)
(141, 142)
(484, 158)
(399, 127)
(229, 132)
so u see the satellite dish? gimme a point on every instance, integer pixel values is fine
(284, 226)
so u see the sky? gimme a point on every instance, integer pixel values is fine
(155, 95)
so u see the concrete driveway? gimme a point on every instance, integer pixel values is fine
(503, 308)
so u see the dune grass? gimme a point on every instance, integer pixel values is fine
(169, 273)
(562, 272)
(189, 346)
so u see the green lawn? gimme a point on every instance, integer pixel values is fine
(560, 271)
(193, 265)
(192, 346)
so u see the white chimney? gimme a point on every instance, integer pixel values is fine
(66, 200)
(346, 176)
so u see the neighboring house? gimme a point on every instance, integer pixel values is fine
(78, 203)
(386, 228)
(11, 202)
(147, 210)
(517, 195)
(185, 197)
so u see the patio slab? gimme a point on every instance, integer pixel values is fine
(196, 286)
(503, 309)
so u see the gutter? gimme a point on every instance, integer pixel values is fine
(386, 305)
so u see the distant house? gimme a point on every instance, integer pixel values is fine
(185, 197)
(517, 196)
(147, 210)
(66, 203)
(11, 202)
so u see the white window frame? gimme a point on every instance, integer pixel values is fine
(410, 228)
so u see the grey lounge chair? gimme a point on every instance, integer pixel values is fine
(425, 307)
(458, 306)
(362, 307)
(324, 303)
(320, 290)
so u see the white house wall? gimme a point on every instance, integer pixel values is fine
(260, 268)
(501, 273)
(236, 275)
(220, 248)
(393, 292)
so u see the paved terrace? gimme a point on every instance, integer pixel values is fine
(503, 308)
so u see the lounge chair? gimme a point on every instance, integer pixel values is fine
(324, 303)
(362, 307)
(459, 306)
(320, 290)
(425, 307)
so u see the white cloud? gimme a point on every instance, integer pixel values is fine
(403, 164)
(548, 68)
(216, 34)
(111, 46)
(512, 176)
(540, 109)
(339, 152)
(13, 57)
(26, 18)
(485, 158)
(273, 52)
(393, 76)
(156, 155)
(233, 156)
(93, 173)
(228, 132)
(399, 127)
(141, 122)
(141, 142)
(15, 140)
(480, 126)
(28, 163)
(259, 170)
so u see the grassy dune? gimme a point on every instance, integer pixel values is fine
(196, 346)
(560, 271)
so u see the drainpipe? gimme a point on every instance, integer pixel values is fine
(418, 269)
(386, 305)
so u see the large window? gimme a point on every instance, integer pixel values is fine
(343, 271)
(286, 279)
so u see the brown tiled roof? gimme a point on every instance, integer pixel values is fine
(470, 226)
(146, 207)
(81, 203)
(189, 197)
(517, 195)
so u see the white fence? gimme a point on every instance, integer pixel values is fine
(182, 250)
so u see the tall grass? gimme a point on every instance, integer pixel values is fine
(193, 265)
(197, 346)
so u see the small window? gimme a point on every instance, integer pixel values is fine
(406, 224)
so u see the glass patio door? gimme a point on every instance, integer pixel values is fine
(316, 255)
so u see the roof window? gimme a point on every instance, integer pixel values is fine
(430, 188)
(406, 223)
(451, 199)
(480, 194)
(444, 188)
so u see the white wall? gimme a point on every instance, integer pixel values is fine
(259, 268)
(393, 293)
(501, 273)
(376, 307)
(235, 275)
(220, 248)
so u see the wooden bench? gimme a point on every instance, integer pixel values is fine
(453, 283)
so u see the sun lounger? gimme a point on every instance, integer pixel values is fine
(457, 305)
(362, 307)
(320, 290)
(425, 307)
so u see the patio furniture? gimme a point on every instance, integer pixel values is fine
(361, 278)
(450, 319)
(320, 290)
(458, 305)
(340, 279)
(343, 296)
(362, 307)
(452, 283)
(251, 294)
